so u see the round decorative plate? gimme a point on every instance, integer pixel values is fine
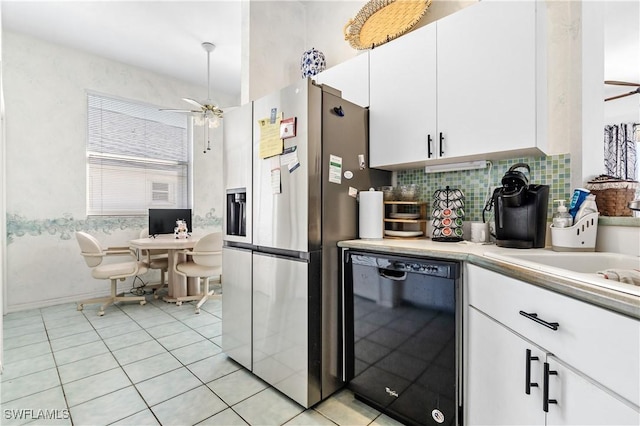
(402, 233)
(380, 21)
(404, 215)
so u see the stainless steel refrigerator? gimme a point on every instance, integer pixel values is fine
(296, 342)
(304, 202)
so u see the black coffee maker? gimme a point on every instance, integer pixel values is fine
(520, 210)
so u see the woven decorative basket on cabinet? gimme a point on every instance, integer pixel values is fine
(380, 21)
(613, 195)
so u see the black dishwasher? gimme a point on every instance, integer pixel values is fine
(403, 335)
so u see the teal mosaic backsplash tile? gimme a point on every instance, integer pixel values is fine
(476, 185)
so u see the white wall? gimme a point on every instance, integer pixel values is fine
(3, 232)
(45, 95)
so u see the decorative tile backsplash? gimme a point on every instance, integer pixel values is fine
(477, 185)
(66, 226)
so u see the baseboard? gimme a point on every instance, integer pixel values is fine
(125, 288)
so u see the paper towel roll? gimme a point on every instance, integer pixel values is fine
(371, 215)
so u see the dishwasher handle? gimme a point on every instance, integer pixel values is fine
(392, 274)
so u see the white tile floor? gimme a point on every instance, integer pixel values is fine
(144, 365)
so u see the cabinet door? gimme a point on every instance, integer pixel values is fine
(496, 375)
(351, 77)
(581, 402)
(487, 78)
(402, 112)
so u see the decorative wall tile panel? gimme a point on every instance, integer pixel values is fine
(477, 185)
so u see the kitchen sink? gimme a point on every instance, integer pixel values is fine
(580, 266)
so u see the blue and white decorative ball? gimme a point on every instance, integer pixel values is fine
(312, 62)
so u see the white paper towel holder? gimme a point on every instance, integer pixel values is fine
(371, 215)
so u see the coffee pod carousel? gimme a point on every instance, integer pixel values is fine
(447, 216)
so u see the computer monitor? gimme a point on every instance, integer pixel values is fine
(163, 221)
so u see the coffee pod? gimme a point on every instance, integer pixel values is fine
(458, 232)
(447, 232)
(447, 221)
(447, 212)
(436, 213)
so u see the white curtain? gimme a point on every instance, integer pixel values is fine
(620, 150)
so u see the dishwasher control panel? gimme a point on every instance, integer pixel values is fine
(431, 267)
(435, 270)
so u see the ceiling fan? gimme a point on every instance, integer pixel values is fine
(207, 114)
(623, 83)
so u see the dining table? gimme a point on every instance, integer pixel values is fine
(180, 288)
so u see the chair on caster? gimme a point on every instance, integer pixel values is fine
(206, 262)
(93, 255)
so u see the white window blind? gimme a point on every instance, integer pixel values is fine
(137, 158)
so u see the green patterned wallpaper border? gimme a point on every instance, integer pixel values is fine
(554, 170)
(66, 226)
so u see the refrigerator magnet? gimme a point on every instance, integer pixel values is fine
(289, 158)
(335, 169)
(353, 192)
(288, 128)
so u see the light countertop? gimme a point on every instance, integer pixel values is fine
(474, 253)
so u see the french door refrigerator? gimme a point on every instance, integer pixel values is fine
(304, 201)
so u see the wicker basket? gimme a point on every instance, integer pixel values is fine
(380, 21)
(613, 196)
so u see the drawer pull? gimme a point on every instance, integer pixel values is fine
(527, 377)
(545, 391)
(429, 153)
(441, 139)
(534, 317)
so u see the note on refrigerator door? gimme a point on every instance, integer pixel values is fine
(270, 141)
(335, 169)
(290, 159)
(276, 178)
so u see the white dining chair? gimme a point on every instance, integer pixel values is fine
(93, 255)
(205, 263)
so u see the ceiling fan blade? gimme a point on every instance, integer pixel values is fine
(190, 111)
(192, 102)
(624, 95)
(620, 83)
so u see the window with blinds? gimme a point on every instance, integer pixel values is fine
(137, 158)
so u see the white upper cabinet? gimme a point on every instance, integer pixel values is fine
(489, 59)
(351, 77)
(470, 86)
(402, 113)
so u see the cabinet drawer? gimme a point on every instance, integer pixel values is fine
(601, 344)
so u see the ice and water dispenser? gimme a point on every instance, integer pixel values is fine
(236, 212)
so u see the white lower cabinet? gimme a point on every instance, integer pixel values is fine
(538, 357)
(499, 367)
(581, 401)
(495, 386)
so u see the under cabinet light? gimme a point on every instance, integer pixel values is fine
(468, 165)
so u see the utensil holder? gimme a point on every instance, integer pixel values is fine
(579, 237)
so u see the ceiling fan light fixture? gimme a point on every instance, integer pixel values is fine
(206, 114)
